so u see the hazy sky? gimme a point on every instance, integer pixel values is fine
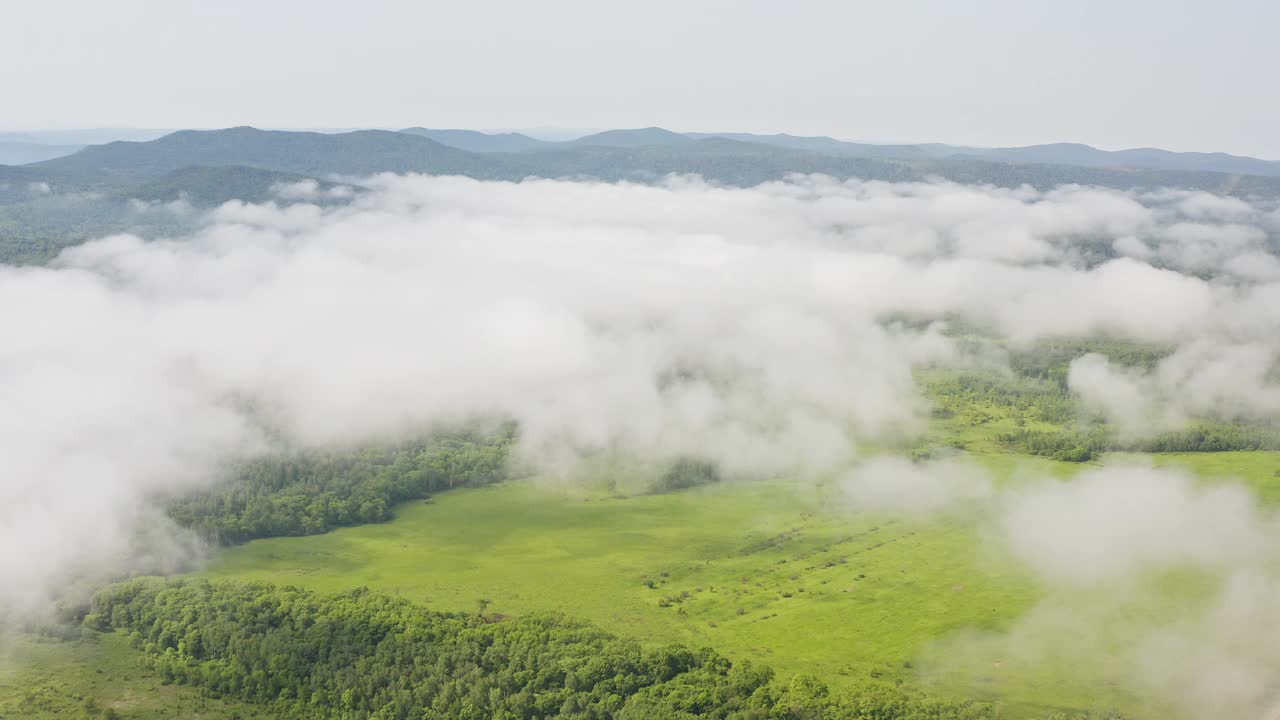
(1180, 74)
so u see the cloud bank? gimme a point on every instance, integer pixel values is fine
(1153, 581)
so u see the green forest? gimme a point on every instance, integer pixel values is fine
(306, 493)
(364, 655)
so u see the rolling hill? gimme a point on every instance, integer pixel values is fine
(638, 155)
(1147, 158)
(362, 152)
(476, 141)
(828, 145)
(208, 186)
(1074, 154)
(640, 137)
(49, 205)
(729, 162)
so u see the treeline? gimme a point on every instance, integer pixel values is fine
(1051, 359)
(1065, 445)
(963, 394)
(362, 655)
(685, 473)
(1050, 421)
(314, 492)
(1082, 445)
(1213, 437)
(36, 227)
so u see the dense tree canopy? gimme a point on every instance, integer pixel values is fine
(364, 655)
(314, 492)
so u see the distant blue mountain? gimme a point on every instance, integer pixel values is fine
(1151, 158)
(1073, 154)
(827, 145)
(636, 154)
(50, 204)
(476, 141)
(307, 153)
(1052, 154)
(640, 137)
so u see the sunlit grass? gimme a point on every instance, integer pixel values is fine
(42, 679)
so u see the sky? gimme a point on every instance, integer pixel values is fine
(1179, 74)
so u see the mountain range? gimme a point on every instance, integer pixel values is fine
(1052, 154)
(48, 204)
(643, 155)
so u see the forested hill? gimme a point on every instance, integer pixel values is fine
(355, 153)
(638, 155)
(44, 210)
(1150, 158)
(1075, 154)
(363, 655)
(639, 137)
(214, 185)
(50, 205)
(475, 141)
(1061, 153)
(824, 144)
(309, 493)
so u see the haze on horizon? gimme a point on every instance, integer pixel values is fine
(1178, 75)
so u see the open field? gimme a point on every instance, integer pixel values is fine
(99, 678)
(776, 572)
(1259, 470)
(785, 573)
(759, 571)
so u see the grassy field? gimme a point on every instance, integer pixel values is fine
(760, 571)
(773, 572)
(1260, 470)
(784, 573)
(102, 678)
(778, 572)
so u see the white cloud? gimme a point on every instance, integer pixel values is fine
(1115, 525)
(756, 327)
(893, 484)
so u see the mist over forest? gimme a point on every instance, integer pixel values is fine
(639, 361)
(219, 338)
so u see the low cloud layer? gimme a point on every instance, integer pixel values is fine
(1121, 524)
(1153, 582)
(897, 485)
(1214, 378)
(772, 330)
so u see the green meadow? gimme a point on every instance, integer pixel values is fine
(787, 573)
(784, 573)
(101, 677)
(769, 571)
